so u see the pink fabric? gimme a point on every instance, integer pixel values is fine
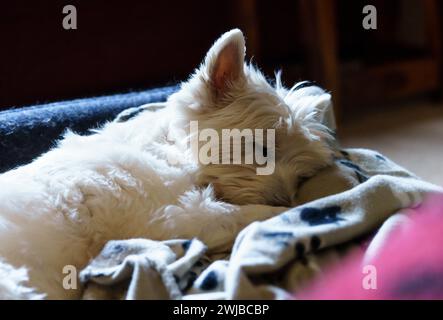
(409, 266)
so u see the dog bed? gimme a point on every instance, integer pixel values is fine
(27, 132)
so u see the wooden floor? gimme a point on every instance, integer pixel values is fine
(410, 134)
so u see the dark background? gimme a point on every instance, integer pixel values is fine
(129, 45)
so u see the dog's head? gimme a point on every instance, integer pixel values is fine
(226, 93)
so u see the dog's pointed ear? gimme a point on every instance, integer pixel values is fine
(224, 62)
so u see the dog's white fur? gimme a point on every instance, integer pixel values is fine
(117, 183)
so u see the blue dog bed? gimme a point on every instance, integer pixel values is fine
(26, 133)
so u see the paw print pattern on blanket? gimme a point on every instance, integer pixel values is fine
(315, 243)
(286, 238)
(187, 281)
(361, 175)
(212, 279)
(317, 216)
(280, 238)
(171, 267)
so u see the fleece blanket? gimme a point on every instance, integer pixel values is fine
(271, 259)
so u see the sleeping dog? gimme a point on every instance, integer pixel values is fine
(120, 182)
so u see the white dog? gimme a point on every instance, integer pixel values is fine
(118, 183)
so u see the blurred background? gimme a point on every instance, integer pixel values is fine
(386, 83)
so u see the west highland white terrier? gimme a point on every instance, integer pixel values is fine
(124, 180)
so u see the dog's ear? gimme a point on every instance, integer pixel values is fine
(224, 62)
